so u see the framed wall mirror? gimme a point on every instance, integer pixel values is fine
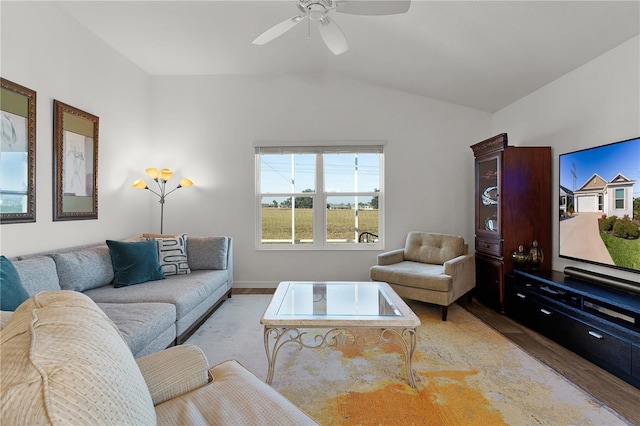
(17, 153)
(75, 163)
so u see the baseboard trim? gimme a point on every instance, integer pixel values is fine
(255, 284)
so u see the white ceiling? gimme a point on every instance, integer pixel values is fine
(480, 54)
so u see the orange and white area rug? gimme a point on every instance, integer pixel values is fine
(467, 374)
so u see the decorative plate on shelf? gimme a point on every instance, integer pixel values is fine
(491, 223)
(490, 196)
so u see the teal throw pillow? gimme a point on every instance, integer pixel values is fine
(134, 262)
(12, 293)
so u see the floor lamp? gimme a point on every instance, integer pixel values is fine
(161, 177)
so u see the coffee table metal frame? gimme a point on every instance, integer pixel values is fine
(313, 331)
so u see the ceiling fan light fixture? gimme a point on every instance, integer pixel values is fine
(316, 12)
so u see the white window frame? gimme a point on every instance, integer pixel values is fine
(319, 196)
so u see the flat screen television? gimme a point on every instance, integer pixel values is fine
(600, 205)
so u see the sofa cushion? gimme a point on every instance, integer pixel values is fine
(207, 252)
(172, 255)
(12, 293)
(141, 323)
(429, 247)
(134, 262)
(185, 292)
(64, 362)
(37, 274)
(84, 269)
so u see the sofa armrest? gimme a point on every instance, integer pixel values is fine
(391, 257)
(462, 268)
(174, 371)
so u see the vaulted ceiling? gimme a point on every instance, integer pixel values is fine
(479, 54)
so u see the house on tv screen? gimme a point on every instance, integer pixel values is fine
(613, 198)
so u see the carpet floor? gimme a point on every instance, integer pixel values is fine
(467, 374)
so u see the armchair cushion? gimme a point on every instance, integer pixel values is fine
(64, 362)
(429, 247)
(174, 371)
(413, 274)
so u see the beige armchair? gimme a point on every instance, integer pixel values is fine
(433, 268)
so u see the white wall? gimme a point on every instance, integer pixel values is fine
(596, 104)
(205, 127)
(46, 51)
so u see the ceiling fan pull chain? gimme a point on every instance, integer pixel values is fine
(308, 29)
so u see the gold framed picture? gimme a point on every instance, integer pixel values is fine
(75, 163)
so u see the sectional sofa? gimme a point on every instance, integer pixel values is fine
(151, 315)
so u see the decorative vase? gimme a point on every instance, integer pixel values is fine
(520, 257)
(535, 255)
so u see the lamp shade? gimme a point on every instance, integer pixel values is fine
(184, 182)
(139, 183)
(165, 174)
(153, 172)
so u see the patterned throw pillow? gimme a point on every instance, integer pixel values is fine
(172, 255)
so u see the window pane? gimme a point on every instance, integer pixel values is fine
(304, 221)
(283, 225)
(287, 172)
(351, 172)
(619, 198)
(348, 224)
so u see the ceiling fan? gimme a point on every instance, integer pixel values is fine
(318, 11)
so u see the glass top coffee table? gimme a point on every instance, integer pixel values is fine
(336, 314)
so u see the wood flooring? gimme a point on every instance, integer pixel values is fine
(602, 385)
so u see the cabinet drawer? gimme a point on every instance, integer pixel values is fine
(594, 343)
(548, 321)
(489, 246)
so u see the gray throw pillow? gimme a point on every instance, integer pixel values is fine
(84, 269)
(207, 252)
(37, 274)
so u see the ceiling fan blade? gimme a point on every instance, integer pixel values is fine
(372, 7)
(333, 36)
(277, 30)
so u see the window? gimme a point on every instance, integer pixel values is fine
(619, 198)
(319, 197)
